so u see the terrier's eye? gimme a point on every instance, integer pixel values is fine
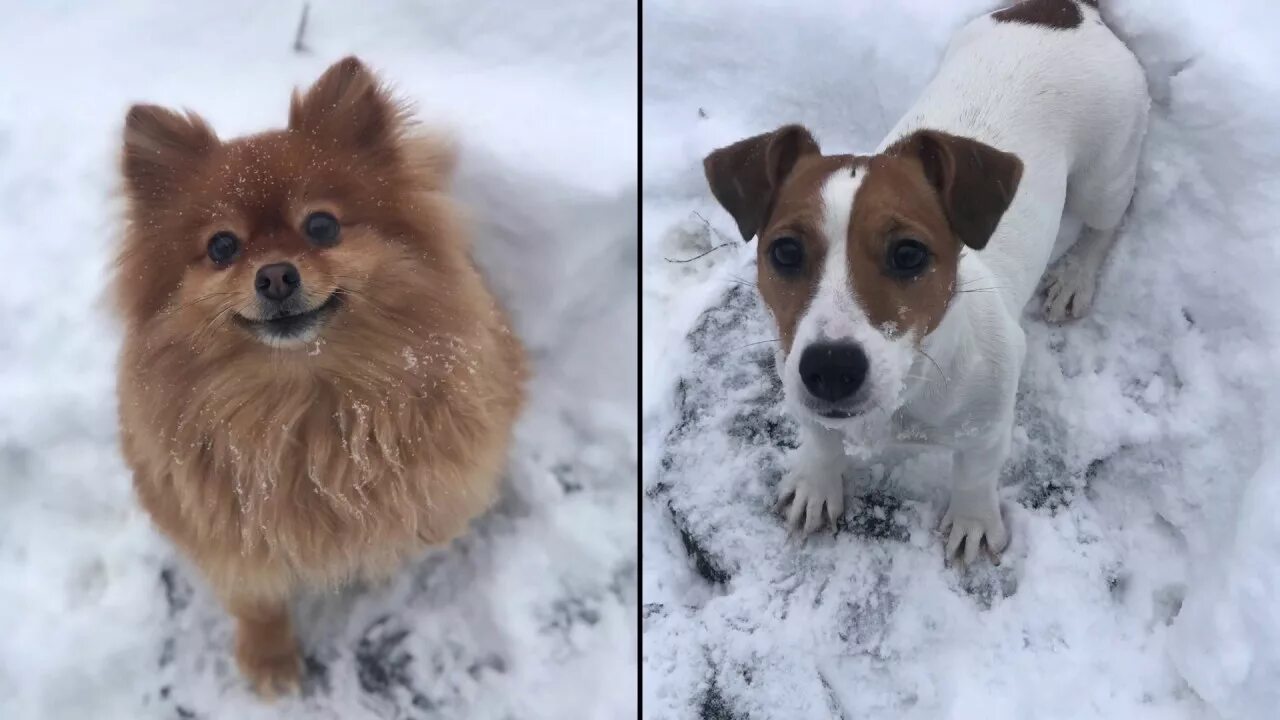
(907, 258)
(223, 247)
(787, 254)
(321, 228)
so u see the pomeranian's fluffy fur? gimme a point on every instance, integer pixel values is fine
(315, 381)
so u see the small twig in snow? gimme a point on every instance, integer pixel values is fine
(695, 257)
(298, 45)
(711, 228)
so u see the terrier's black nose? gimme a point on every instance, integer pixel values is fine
(833, 371)
(277, 281)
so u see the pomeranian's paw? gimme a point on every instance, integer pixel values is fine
(805, 493)
(267, 654)
(1068, 290)
(970, 527)
(272, 674)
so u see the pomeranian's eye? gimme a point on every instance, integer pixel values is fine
(321, 228)
(223, 248)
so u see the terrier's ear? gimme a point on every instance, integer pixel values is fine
(975, 182)
(745, 177)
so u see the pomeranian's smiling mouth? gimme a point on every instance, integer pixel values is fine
(285, 328)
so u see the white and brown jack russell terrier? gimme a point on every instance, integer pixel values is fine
(897, 279)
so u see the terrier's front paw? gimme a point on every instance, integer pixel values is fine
(971, 528)
(805, 493)
(1068, 290)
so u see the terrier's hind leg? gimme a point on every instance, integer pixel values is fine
(1101, 198)
(1070, 284)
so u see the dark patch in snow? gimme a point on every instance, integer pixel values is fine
(1118, 584)
(622, 583)
(1046, 482)
(877, 518)
(1166, 603)
(833, 702)
(1048, 492)
(688, 413)
(707, 567)
(315, 676)
(864, 620)
(667, 462)
(984, 581)
(491, 663)
(381, 663)
(764, 425)
(570, 611)
(177, 591)
(714, 706)
(1091, 471)
(166, 652)
(717, 321)
(567, 477)
(422, 702)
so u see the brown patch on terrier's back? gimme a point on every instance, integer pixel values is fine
(1055, 14)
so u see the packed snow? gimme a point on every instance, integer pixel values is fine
(1144, 576)
(532, 615)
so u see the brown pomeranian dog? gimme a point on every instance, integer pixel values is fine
(315, 381)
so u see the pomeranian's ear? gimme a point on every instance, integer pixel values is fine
(347, 105)
(162, 149)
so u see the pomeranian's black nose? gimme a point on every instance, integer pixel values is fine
(833, 371)
(277, 281)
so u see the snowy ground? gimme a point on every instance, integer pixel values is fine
(531, 616)
(1144, 578)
